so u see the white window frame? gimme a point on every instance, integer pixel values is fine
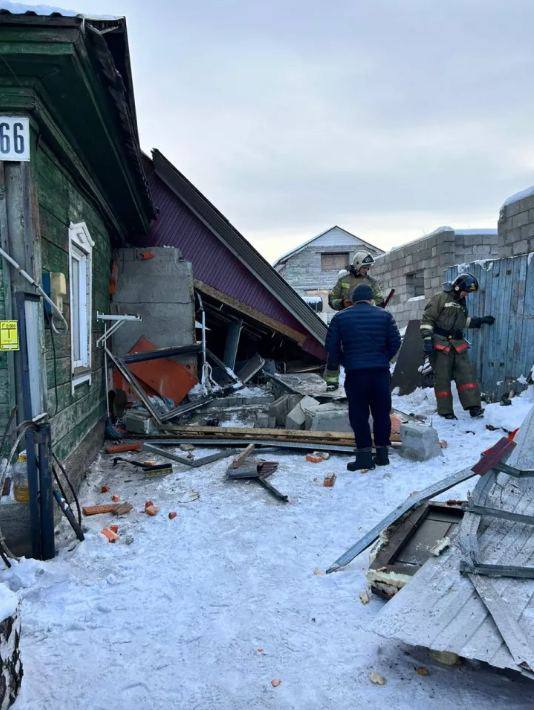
(81, 249)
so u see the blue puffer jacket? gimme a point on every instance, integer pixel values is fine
(362, 336)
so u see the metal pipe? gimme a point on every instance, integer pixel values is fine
(33, 282)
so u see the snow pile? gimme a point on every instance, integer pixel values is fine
(510, 417)
(17, 8)
(522, 195)
(251, 392)
(8, 602)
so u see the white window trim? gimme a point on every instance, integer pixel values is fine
(80, 241)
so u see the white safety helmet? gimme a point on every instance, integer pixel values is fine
(362, 258)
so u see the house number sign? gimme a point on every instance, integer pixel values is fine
(14, 138)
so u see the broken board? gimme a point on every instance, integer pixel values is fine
(410, 356)
(229, 433)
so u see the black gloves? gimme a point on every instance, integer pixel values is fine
(477, 322)
(428, 347)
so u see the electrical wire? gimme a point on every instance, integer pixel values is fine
(74, 495)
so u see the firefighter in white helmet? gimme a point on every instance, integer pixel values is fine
(338, 298)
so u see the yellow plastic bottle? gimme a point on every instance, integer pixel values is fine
(20, 479)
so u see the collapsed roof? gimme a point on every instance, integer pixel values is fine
(226, 267)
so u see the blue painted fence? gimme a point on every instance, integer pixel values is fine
(503, 353)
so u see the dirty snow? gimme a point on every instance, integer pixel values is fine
(205, 610)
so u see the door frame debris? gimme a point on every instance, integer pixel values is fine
(386, 573)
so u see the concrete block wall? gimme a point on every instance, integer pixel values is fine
(160, 290)
(516, 224)
(431, 254)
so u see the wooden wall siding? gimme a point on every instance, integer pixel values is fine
(504, 352)
(5, 383)
(60, 203)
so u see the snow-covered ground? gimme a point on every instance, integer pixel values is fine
(205, 610)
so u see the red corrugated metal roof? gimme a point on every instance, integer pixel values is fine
(214, 263)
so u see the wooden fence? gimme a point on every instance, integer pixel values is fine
(503, 353)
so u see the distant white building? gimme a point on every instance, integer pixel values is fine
(312, 268)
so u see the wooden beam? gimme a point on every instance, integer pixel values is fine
(286, 330)
(243, 455)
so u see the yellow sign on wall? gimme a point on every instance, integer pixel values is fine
(9, 335)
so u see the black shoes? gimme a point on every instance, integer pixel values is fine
(364, 459)
(381, 456)
(476, 411)
(450, 415)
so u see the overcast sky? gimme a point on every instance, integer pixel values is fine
(387, 117)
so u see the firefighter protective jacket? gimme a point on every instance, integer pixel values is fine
(444, 319)
(345, 286)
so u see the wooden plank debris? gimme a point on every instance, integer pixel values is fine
(243, 455)
(191, 432)
(115, 508)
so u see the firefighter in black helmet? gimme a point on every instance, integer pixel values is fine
(442, 325)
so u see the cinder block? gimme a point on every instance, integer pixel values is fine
(419, 443)
(281, 407)
(264, 421)
(520, 247)
(296, 418)
(329, 417)
(139, 423)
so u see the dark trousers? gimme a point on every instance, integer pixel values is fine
(369, 390)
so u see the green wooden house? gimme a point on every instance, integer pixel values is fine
(72, 188)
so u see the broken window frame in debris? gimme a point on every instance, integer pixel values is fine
(80, 288)
(388, 570)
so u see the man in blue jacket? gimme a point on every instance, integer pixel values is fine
(364, 338)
